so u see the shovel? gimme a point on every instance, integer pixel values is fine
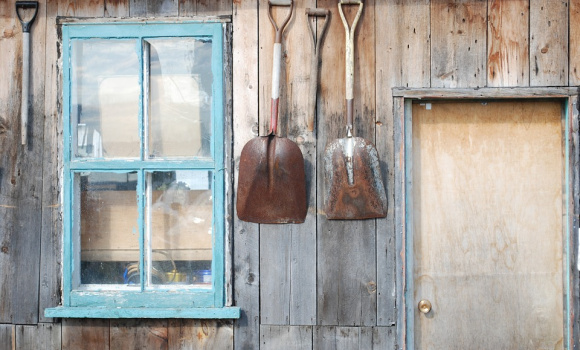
(354, 188)
(25, 62)
(271, 183)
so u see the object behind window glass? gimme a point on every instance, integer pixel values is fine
(180, 97)
(105, 98)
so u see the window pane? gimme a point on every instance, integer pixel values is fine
(180, 227)
(109, 228)
(180, 97)
(105, 98)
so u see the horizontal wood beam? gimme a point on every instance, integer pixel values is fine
(549, 92)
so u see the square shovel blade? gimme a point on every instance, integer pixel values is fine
(354, 186)
(271, 183)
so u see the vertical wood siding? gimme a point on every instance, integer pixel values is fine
(322, 284)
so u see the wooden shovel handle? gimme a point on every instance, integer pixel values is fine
(350, 57)
(316, 44)
(277, 59)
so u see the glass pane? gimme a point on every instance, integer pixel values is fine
(180, 97)
(180, 227)
(109, 228)
(105, 98)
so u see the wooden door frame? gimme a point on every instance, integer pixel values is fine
(402, 113)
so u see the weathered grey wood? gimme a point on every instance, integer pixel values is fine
(73, 8)
(351, 338)
(187, 8)
(245, 117)
(116, 8)
(27, 182)
(574, 43)
(285, 337)
(288, 252)
(534, 92)
(7, 333)
(574, 108)
(507, 43)
(404, 32)
(138, 334)
(200, 334)
(458, 36)
(51, 236)
(548, 43)
(85, 334)
(214, 7)
(153, 8)
(42, 336)
(346, 250)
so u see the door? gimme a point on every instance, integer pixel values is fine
(487, 225)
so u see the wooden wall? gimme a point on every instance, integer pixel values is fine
(321, 284)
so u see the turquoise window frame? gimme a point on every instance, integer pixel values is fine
(140, 303)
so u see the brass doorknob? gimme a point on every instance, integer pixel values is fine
(425, 306)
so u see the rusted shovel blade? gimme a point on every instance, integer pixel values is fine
(354, 188)
(271, 184)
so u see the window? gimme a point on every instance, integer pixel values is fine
(143, 171)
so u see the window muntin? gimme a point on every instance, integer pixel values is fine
(164, 154)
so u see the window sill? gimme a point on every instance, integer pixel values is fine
(103, 312)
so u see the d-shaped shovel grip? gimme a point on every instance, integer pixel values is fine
(26, 5)
(277, 59)
(350, 59)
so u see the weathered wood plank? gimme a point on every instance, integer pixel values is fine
(27, 176)
(351, 338)
(405, 34)
(507, 43)
(245, 117)
(200, 334)
(116, 8)
(76, 8)
(51, 236)
(9, 143)
(7, 335)
(187, 8)
(539, 92)
(548, 42)
(42, 336)
(85, 334)
(214, 7)
(288, 252)
(285, 337)
(153, 8)
(458, 35)
(138, 334)
(346, 250)
(574, 46)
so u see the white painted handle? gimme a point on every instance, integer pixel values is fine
(25, 85)
(277, 59)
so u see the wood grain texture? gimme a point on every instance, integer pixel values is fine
(187, 8)
(488, 208)
(214, 7)
(245, 118)
(86, 8)
(403, 59)
(200, 334)
(138, 334)
(352, 338)
(154, 8)
(51, 235)
(288, 252)
(42, 336)
(574, 45)
(346, 250)
(116, 8)
(507, 43)
(458, 35)
(285, 337)
(85, 334)
(548, 42)
(7, 335)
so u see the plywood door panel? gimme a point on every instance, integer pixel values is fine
(487, 225)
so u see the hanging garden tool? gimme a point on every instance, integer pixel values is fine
(271, 184)
(354, 187)
(22, 5)
(316, 46)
